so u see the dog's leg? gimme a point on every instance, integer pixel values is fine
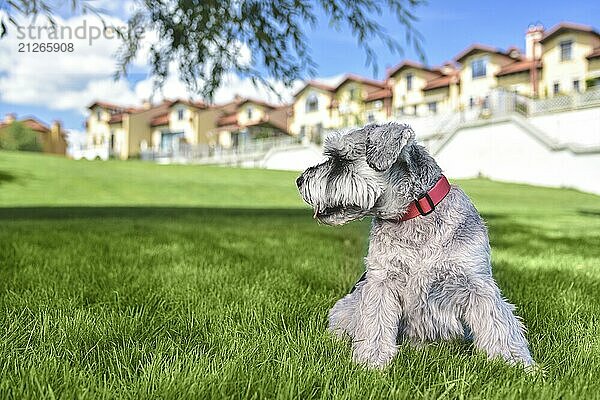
(341, 317)
(494, 327)
(377, 321)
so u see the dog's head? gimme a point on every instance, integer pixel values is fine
(369, 171)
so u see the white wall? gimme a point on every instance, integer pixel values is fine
(579, 126)
(506, 152)
(293, 159)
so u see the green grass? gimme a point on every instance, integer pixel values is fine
(132, 280)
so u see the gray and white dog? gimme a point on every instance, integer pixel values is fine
(428, 278)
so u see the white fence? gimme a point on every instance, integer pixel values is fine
(90, 153)
(589, 98)
(249, 151)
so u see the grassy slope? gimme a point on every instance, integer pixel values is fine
(130, 279)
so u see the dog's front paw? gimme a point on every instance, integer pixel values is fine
(374, 357)
(342, 319)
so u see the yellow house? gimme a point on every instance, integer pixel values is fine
(407, 81)
(247, 119)
(378, 105)
(312, 110)
(441, 94)
(124, 131)
(479, 66)
(181, 122)
(593, 75)
(349, 104)
(52, 138)
(565, 49)
(318, 107)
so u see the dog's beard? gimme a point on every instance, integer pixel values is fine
(338, 215)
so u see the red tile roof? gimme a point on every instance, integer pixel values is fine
(379, 94)
(317, 85)
(361, 79)
(348, 77)
(191, 103)
(228, 119)
(478, 47)
(162, 119)
(409, 64)
(30, 123)
(594, 54)
(111, 106)
(259, 102)
(442, 81)
(116, 118)
(519, 66)
(568, 26)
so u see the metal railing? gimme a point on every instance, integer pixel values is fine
(574, 101)
(216, 154)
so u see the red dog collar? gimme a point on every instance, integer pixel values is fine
(426, 203)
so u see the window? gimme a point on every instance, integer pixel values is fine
(370, 117)
(249, 111)
(486, 102)
(180, 114)
(556, 88)
(478, 68)
(312, 103)
(354, 94)
(98, 115)
(378, 104)
(576, 85)
(432, 107)
(409, 82)
(471, 102)
(319, 129)
(565, 50)
(302, 132)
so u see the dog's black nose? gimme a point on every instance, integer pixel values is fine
(299, 181)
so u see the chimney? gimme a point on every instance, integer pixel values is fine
(56, 129)
(533, 52)
(533, 48)
(447, 68)
(10, 118)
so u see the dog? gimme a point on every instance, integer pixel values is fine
(428, 273)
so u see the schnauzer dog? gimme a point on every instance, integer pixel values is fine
(428, 274)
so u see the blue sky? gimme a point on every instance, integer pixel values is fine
(447, 28)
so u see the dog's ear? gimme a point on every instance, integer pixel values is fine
(384, 143)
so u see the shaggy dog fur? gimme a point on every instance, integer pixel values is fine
(428, 278)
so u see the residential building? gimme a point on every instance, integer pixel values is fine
(561, 60)
(312, 110)
(52, 138)
(564, 56)
(407, 81)
(351, 102)
(181, 122)
(115, 129)
(247, 119)
(477, 76)
(124, 132)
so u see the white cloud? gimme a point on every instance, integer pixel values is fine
(61, 80)
(73, 80)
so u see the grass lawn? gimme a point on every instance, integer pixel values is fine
(132, 280)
